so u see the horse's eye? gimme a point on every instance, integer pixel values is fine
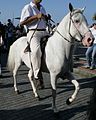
(77, 21)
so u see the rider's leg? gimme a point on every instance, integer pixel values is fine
(36, 54)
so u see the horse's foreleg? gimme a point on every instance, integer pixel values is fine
(76, 84)
(53, 84)
(30, 74)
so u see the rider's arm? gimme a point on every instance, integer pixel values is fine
(31, 19)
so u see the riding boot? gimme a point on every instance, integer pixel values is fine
(39, 84)
(39, 81)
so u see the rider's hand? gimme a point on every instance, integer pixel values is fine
(39, 16)
(47, 17)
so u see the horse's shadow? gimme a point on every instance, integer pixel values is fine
(9, 76)
(84, 83)
(6, 76)
(42, 112)
(64, 86)
(87, 82)
(11, 84)
(68, 86)
(71, 112)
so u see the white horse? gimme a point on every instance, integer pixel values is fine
(58, 52)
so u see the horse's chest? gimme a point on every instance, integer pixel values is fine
(66, 64)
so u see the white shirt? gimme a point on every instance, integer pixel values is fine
(31, 10)
(94, 33)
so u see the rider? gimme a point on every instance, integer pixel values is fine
(34, 17)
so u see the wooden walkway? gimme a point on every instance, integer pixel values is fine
(25, 107)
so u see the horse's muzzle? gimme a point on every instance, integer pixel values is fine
(88, 39)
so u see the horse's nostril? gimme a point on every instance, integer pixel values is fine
(89, 39)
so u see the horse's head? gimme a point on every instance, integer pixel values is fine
(78, 26)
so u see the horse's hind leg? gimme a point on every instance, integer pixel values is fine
(76, 84)
(53, 84)
(15, 77)
(30, 76)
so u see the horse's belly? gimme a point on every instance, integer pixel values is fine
(26, 58)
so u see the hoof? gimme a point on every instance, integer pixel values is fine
(17, 92)
(56, 112)
(38, 98)
(68, 101)
(57, 115)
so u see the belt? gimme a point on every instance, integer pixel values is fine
(37, 29)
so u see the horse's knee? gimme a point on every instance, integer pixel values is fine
(53, 86)
(76, 84)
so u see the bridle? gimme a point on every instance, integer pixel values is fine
(71, 21)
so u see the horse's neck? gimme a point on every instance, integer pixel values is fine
(63, 27)
(58, 44)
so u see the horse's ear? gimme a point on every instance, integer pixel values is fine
(83, 9)
(70, 7)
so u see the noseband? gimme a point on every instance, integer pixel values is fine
(82, 36)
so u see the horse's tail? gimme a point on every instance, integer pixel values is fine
(11, 58)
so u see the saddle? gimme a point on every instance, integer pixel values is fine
(43, 43)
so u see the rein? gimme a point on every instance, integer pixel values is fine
(63, 36)
(75, 27)
(70, 33)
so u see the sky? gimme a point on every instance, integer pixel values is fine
(57, 8)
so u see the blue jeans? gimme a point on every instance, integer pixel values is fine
(91, 55)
